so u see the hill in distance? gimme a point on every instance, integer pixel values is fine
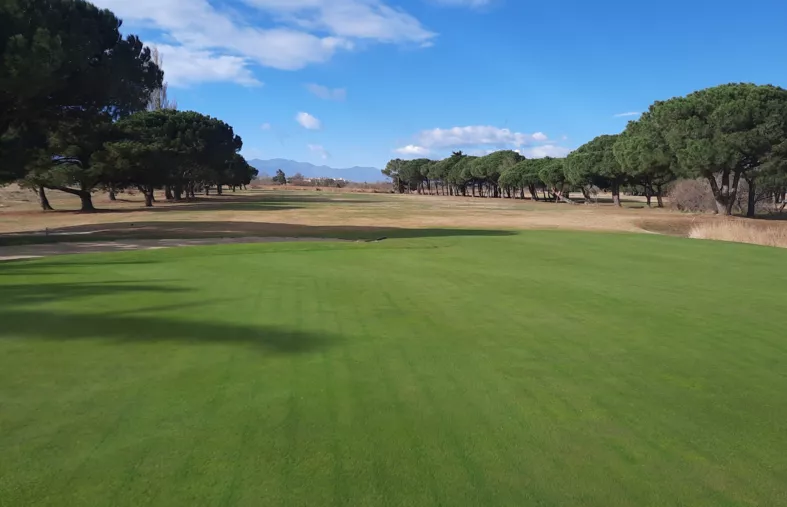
(290, 167)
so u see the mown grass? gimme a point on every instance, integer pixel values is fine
(546, 368)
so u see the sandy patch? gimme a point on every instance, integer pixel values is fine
(18, 252)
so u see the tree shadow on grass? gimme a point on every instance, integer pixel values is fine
(23, 317)
(41, 267)
(37, 293)
(50, 325)
(195, 230)
(226, 202)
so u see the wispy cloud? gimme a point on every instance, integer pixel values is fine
(547, 150)
(624, 115)
(326, 93)
(320, 151)
(308, 121)
(412, 150)
(478, 135)
(265, 126)
(184, 67)
(481, 140)
(464, 3)
(297, 33)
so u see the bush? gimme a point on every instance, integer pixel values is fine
(692, 195)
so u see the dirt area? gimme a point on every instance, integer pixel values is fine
(16, 252)
(262, 213)
(20, 213)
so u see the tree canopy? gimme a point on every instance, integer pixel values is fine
(724, 133)
(63, 61)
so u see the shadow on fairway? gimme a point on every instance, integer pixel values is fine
(262, 202)
(191, 230)
(41, 267)
(144, 328)
(22, 318)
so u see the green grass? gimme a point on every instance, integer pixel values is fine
(545, 368)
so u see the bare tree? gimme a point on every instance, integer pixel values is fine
(158, 99)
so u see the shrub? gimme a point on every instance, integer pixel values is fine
(692, 195)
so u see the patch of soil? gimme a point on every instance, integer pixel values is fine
(17, 252)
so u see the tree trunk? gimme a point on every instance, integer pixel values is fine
(649, 195)
(616, 194)
(750, 211)
(45, 206)
(87, 202)
(659, 196)
(724, 195)
(168, 192)
(207, 190)
(112, 196)
(177, 192)
(148, 199)
(533, 192)
(560, 197)
(218, 189)
(586, 194)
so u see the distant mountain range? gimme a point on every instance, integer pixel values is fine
(290, 167)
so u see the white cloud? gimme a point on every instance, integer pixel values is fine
(547, 150)
(351, 19)
(540, 136)
(326, 93)
(308, 121)
(412, 149)
(265, 126)
(464, 3)
(631, 113)
(476, 136)
(319, 150)
(480, 141)
(302, 32)
(184, 66)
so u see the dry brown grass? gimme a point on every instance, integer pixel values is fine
(264, 212)
(741, 231)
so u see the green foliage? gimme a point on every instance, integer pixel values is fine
(60, 59)
(170, 147)
(646, 155)
(392, 170)
(489, 167)
(280, 178)
(552, 173)
(595, 164)
(724, 133)
(523, 175)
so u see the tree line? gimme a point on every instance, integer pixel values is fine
(725, 135)
(83, 108)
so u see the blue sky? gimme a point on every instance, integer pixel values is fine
(358, 82)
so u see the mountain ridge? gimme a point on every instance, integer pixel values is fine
(356, 174)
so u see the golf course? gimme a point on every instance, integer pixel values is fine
(441, 367)
(393, 253)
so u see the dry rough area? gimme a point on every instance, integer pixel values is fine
(741, 232)
(19, 212)
(298, 213)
